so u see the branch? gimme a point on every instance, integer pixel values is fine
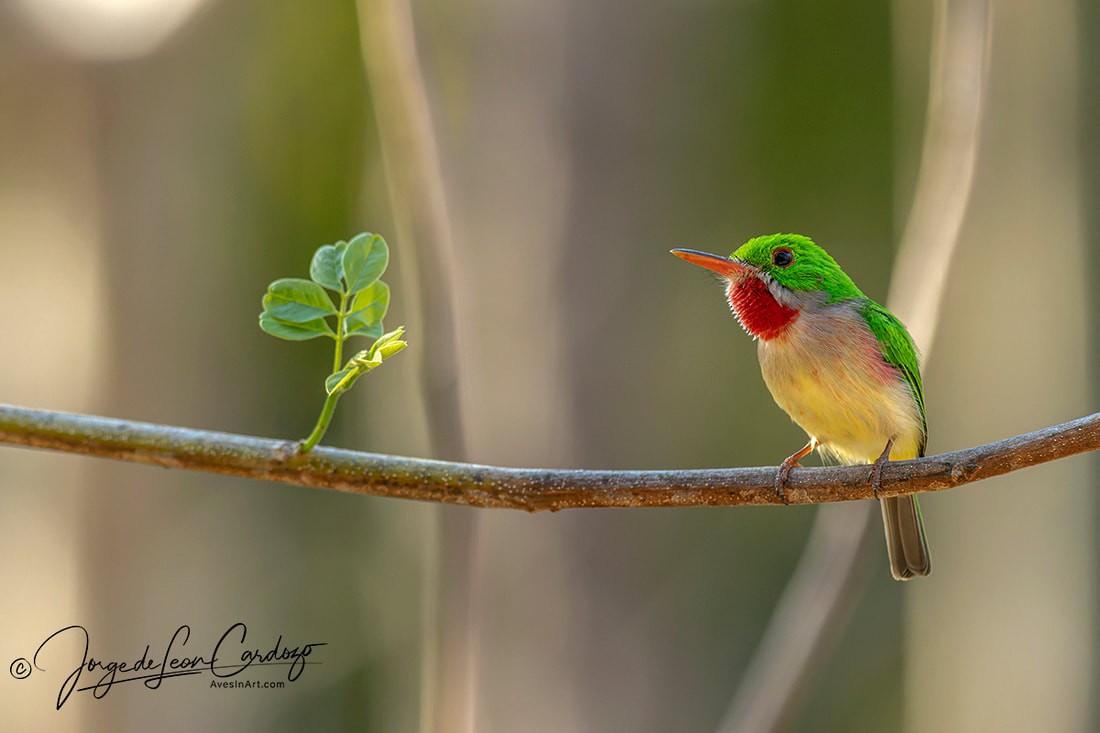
(532, 489)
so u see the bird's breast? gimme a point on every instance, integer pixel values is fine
(828, 373)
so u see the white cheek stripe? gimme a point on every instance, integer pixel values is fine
(783, 295)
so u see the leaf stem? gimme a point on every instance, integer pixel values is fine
(337, 360)
(322, 421)
(330, 402)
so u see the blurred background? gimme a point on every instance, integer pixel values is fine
(162, 161)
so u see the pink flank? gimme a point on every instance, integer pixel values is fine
(829, 375)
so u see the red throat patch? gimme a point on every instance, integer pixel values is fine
(759, 312)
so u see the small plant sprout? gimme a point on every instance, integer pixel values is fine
(296, 309)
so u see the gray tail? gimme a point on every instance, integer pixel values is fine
(905, 538)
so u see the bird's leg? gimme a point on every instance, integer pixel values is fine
(876, 468)
(785, 469)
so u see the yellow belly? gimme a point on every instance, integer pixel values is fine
(828, 374)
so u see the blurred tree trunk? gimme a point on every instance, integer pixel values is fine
(212, 176)
(53, 298)
(1003, 633)
(498, 73)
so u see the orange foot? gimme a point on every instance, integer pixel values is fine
(785, 467)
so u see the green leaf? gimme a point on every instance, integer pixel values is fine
(342, 380)
(371, 303)
(358, 328)
(365, 259)
(388, 345)
(389, 349)
(327, 266)
(295, 331)
(365, 360)
(297, 300)
(368, 309)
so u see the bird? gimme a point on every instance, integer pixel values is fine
(843, 368)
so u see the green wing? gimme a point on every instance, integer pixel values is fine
(898, 349)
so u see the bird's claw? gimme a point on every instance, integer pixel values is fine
(876, 468)
(781, 477)
(785, 467)
(876, 478)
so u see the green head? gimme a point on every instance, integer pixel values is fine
(796, 263)
(770, 280)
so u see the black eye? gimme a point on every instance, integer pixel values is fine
(782, 258)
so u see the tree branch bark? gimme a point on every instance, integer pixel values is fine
(530, 489)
